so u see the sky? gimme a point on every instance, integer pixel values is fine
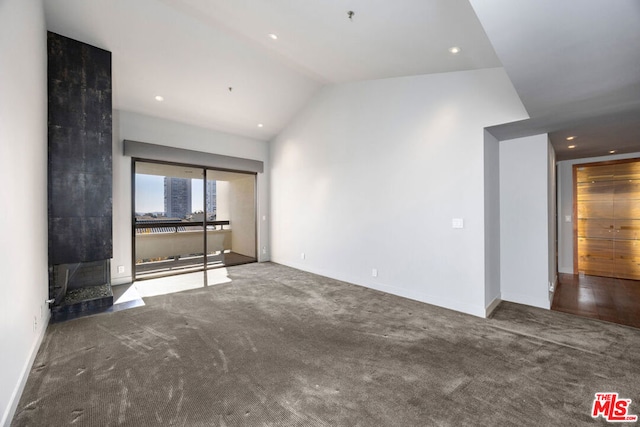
(150, 194)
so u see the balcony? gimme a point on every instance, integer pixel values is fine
(176, 246)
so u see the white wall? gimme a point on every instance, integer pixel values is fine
(552, 226)
(370, 174)
(491, 221)
(223, 200)
(23, 216)
(524, 220)
(565, 207)
(138, 127)
(243, 215)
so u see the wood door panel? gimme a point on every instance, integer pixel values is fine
(588, 191)
(595, 209)
(627, 259)
(595, 173)
(629, 170)
(627, 229)
(627, 189)
(596, 256)
(625, 209)
(607, 227)
(596, 228)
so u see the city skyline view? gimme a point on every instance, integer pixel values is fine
(149, 196)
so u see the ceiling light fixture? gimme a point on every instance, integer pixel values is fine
(260, 125)
(571, 138)
(273, 36)
(612, 151)
(159, 98)
(572, 146)
(454, 50)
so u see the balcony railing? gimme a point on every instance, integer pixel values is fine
(164, 239)
(149, 226)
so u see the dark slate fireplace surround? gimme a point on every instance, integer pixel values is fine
(79, 177)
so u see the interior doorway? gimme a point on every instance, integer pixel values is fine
(607, 208)
(605, 283)
(189, 218)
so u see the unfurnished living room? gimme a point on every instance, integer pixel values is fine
(320, 213)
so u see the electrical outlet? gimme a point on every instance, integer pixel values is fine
(374, 272)
(551, 287)
(264, 249)
(120, 269)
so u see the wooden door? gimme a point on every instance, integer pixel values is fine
(607, 200)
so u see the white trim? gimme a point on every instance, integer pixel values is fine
(7, 417)
(447, 303)
(527, 300)
(125, 280)
(494, 304)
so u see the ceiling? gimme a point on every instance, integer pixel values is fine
(576, 68)
(574, 64)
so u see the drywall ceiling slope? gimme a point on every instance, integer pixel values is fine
(192, 51)
(159, 51)
(382, 39)
(575, 67)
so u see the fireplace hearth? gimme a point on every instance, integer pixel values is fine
(80, 288)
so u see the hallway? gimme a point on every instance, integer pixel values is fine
(604, 298)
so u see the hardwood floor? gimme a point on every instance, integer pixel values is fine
(604, 298)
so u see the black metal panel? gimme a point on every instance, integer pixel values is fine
(80, 152)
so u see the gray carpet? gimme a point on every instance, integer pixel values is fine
(279, 347)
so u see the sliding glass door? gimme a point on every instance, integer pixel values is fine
(235, 201)
(178, 213)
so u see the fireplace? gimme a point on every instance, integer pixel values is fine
(79, 176)
(78, 288)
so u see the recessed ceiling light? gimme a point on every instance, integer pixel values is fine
(260, 125)
(159, 98)
(273, 36)
(454, 49)
(571, 138)
(612, 151)
(572, 146)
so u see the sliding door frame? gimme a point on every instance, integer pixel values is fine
(204, 169)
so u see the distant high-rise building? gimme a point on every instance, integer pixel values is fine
(211, 198)
(177, 197)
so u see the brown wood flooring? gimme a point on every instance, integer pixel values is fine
(604, 298)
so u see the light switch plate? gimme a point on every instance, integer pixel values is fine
(457, 223)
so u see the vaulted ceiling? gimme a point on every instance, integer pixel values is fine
(576, 67)
(215, 63)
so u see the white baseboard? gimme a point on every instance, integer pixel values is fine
(426, 298)
(10, 412)
(115, 281)
(494, 304)
(527, 300)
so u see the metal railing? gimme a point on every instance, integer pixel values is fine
(174, 226)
